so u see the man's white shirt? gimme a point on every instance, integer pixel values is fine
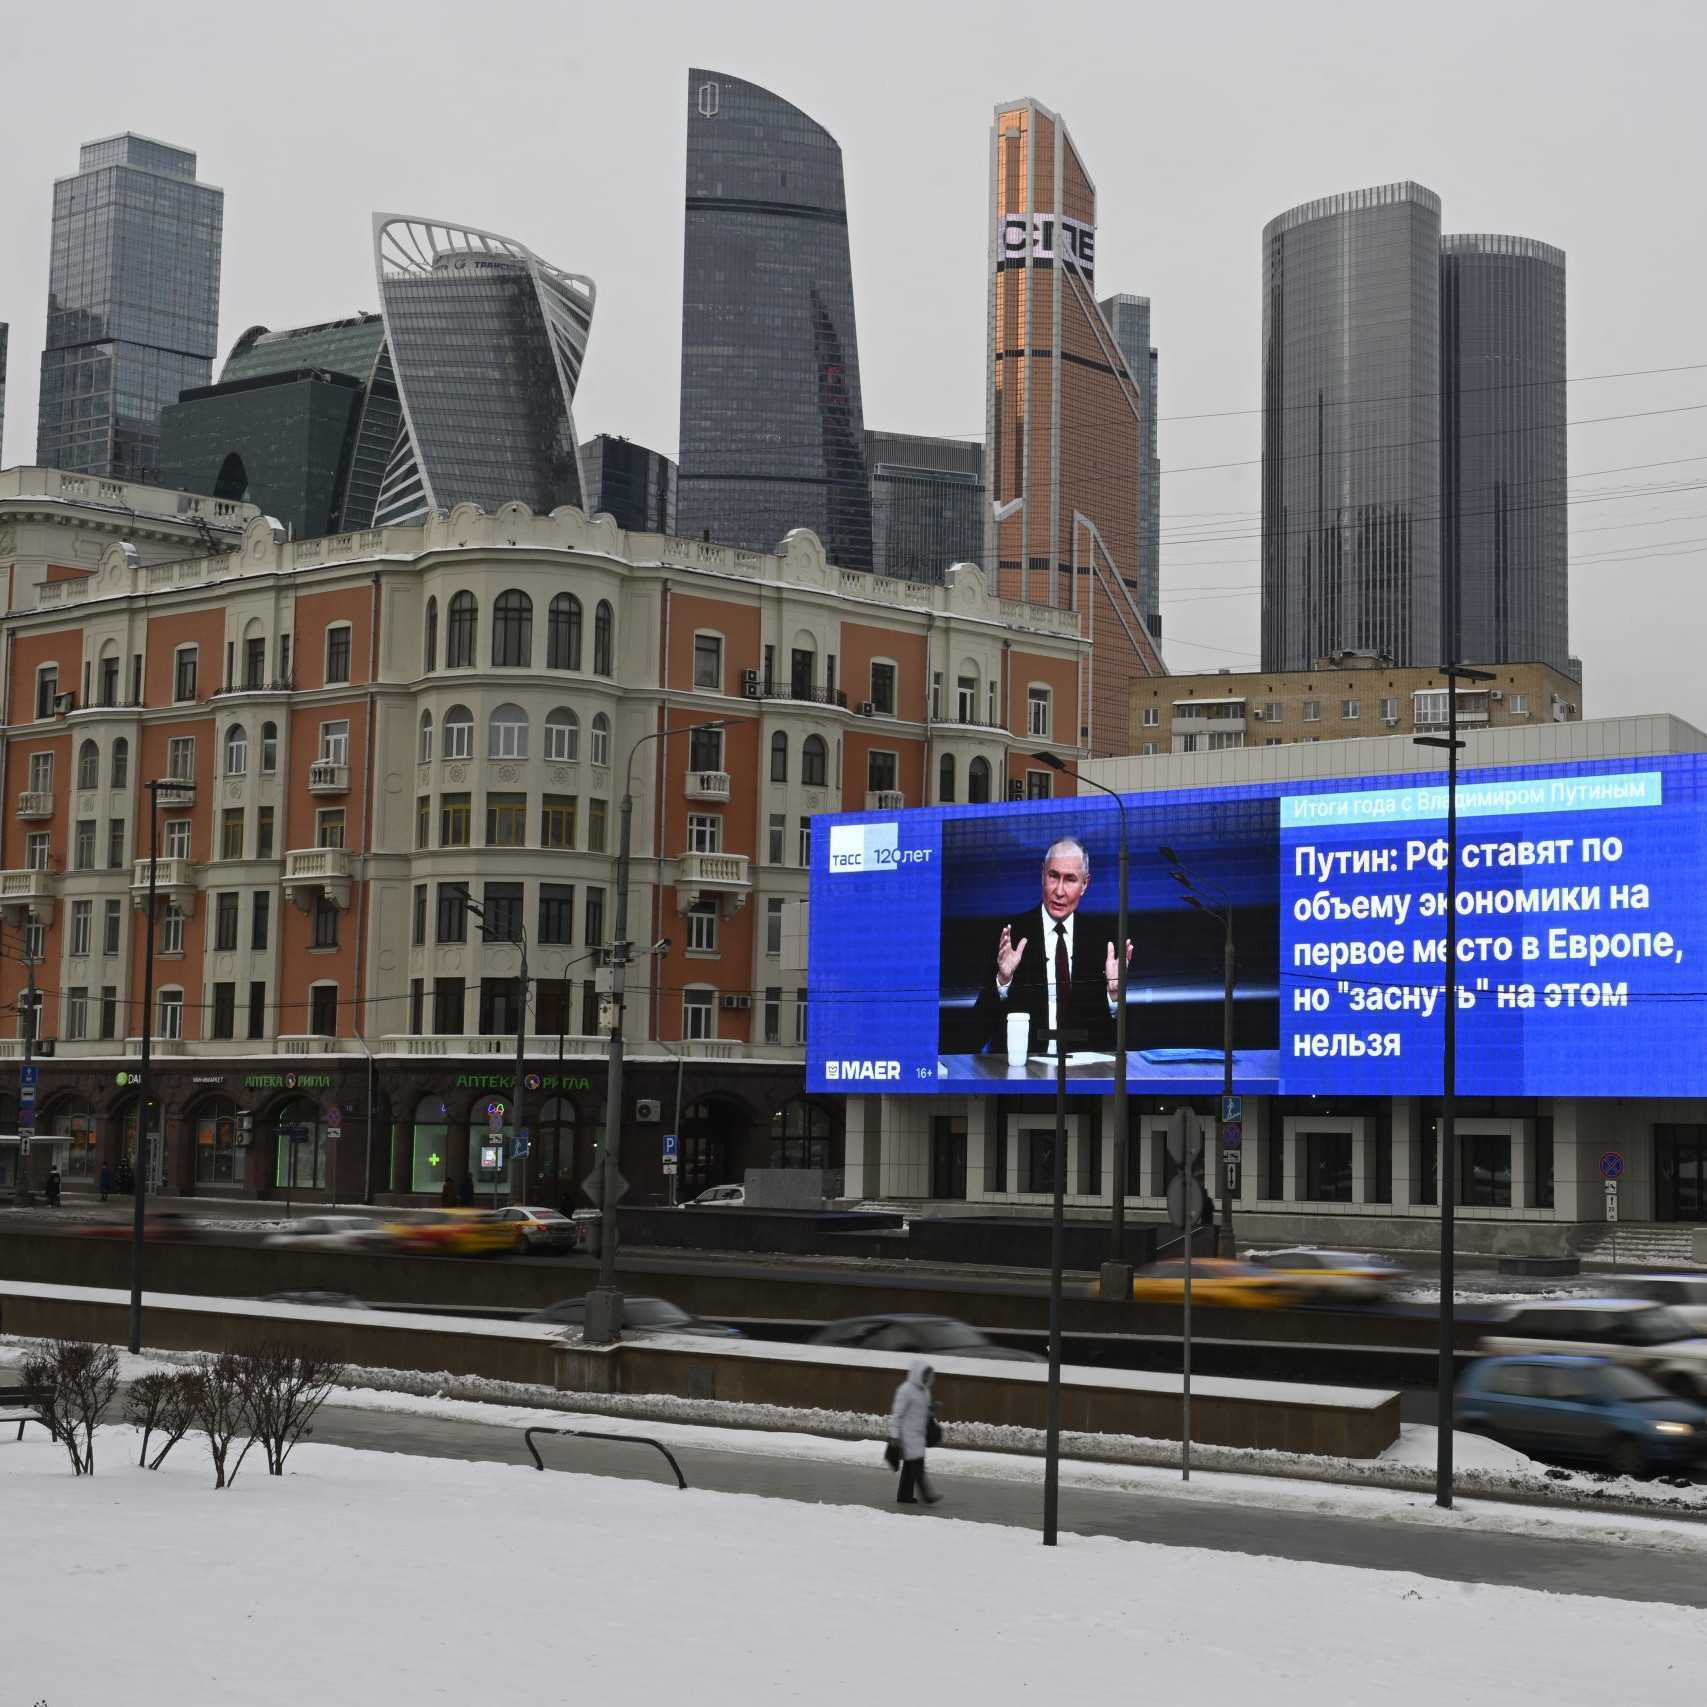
(1049, 941)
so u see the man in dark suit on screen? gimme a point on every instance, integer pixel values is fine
(1052, 951)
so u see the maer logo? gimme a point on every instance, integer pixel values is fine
(871, 847)
(862, 1069)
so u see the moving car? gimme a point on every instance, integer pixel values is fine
(326, 1232)
(1334, 1276)
(1582, 1408)
(541, 1231)
(940, 1335)
(719, 1196)
(454, 1233)
(1653, 1339)
(1217, 1282)
(320, 1300)
(1685, 1293)
(639, 1315)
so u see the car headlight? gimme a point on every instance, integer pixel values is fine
(1674, 1428)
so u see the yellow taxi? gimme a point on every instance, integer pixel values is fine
(1335, 1277)
(1216, 1283)
(455, 1233)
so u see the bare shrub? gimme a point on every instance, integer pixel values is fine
(79, 1381)
(285, 1389)
(221, 1409)
(165, 1404)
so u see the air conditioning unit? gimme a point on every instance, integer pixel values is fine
(1258, 713)
(1016, 789)
(867, 708)
(64, 702)
(1496, 693)
(750, 683)
(737, 1002)
(648, 1110)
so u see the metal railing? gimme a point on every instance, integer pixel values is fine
(620, 1439)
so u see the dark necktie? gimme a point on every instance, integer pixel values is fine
(1063, 977)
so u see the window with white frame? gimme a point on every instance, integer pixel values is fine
(269, 748)
(170, 1017)
(35, 940)
(773, 924)
(459, 733)
(236, 750)
(708, 662)
(1152, 716)
(1390, 710)
(1312, 710)
(966, 699)
(121, 762)
(171, 930)
(424, 742)
(1520, 705)
(1037, 710)
(705, 832)
(38, 850)
(181, 758)
(699, 1014)
(41, 773)
(88, 765)
(562, 736)
(47, 690)
(1351, 709)
(507, 733)
(335, 742)
(82, 927)
(702, 927)
(600, 735)
(177, 838)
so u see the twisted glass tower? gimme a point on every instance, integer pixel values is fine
(486, 342)
(772, 430)
(1502, 327)
(1351, 548)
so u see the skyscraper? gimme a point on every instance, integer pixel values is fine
(1129, 318)
(1064, 419)
(927, 504)
(1351, 428)
(486, 343)
(1504, 547)
(634, 486)
(772, 431)
(4, 330)
(133, 304)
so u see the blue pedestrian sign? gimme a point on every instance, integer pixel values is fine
(1232, 1108)
(670, 1151)
(27, 1074)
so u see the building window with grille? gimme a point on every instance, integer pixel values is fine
(512, 631)
(563, 633)
(699, 1014)
(604, 623)
(502, 905)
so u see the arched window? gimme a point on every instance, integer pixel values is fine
(945, 779)
(236, 750)
(601, 739)
(603, 620)
(300, 1136)
(562, 735)
(430, 642)
(424, 746)
(269, 748)
(978, 782)
(459, 733)
(512, 631)
(462, 625)
(88, 765)
(779, 757)
(814, 761)
(219, 1160)
(563, 634)
(507, 733)
(121, 762)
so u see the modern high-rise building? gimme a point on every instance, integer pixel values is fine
(1064, 417)
(133, 304)
(1351, 428)
(302, 423)
(486, 343)
(1504, 542)
(772, 430)
(927, 504)
(4, 330)
(1129, 317)
(634, 486)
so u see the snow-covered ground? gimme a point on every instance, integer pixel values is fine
(361, 1576)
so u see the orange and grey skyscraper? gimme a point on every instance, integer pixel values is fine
(1063, 419)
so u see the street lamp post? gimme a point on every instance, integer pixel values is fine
(1116, 1277)
(1448, 1169)
(603, 1321)
(177, 793)
(518, 1078)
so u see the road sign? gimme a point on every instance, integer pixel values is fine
(27, 1074)
(1611, 1165)
(1612, 1200)
(1232, 1134)
(1231, 1164)
(670, 1151)
(1232, 1108)
(334, 1117)
(533, 1081)
(1185, 1141)
(618, 1187)
(519, 1149)
(1185, 1201)
(670, 1169)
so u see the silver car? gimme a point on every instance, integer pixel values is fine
(326, 1232)
(1684, 1293)
(1653, 1338)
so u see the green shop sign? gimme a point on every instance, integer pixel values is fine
(288, 1081)
(536, 1081)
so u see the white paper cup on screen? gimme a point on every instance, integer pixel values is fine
(1019, 1039)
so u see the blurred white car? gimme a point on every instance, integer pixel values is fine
(327, 1232)
(541, 1229)
(1334, 1276)
(1653, 1338)
(725, 1196)
(1685, 1293)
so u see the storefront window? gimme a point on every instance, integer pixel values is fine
(800, 1135)
(219, 1156)
(430, 1145)
(155, 1172)
(301, 1146)
(77, 1125)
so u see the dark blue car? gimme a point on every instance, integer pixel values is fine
(1580, 1408)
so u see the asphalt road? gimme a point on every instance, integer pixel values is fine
(1562, 1566)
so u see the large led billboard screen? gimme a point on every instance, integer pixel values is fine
(947, 942)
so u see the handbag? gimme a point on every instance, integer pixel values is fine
(933, 1429)
(892, 1454)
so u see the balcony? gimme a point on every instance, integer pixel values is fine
(312, 872)
(325, 778)
(32, 890)
(708, 785)
(884, 800)
(719, 877)
(804, 693)
(35, 803)
(172, 877)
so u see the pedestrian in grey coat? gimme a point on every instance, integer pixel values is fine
(909, 1423)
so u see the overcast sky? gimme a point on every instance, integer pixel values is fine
(563, 126)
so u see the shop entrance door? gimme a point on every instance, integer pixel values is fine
(1680, 1173)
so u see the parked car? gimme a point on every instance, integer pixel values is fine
(326, 1232)
(542, 1231)
(719, 1196)
(1651, 1338)
(1684, 1293)
(639, 1315)
(1334, 1276)
(942, 1336)
(1218, 1282)
(1583, 1408)
(454, 1233)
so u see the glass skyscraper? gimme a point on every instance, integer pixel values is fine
(133, 304)
(772, 430)
(1129, 319)
(634, 486)
(1506, 557)
(486, 342)
(4, 330)
(927, 504)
